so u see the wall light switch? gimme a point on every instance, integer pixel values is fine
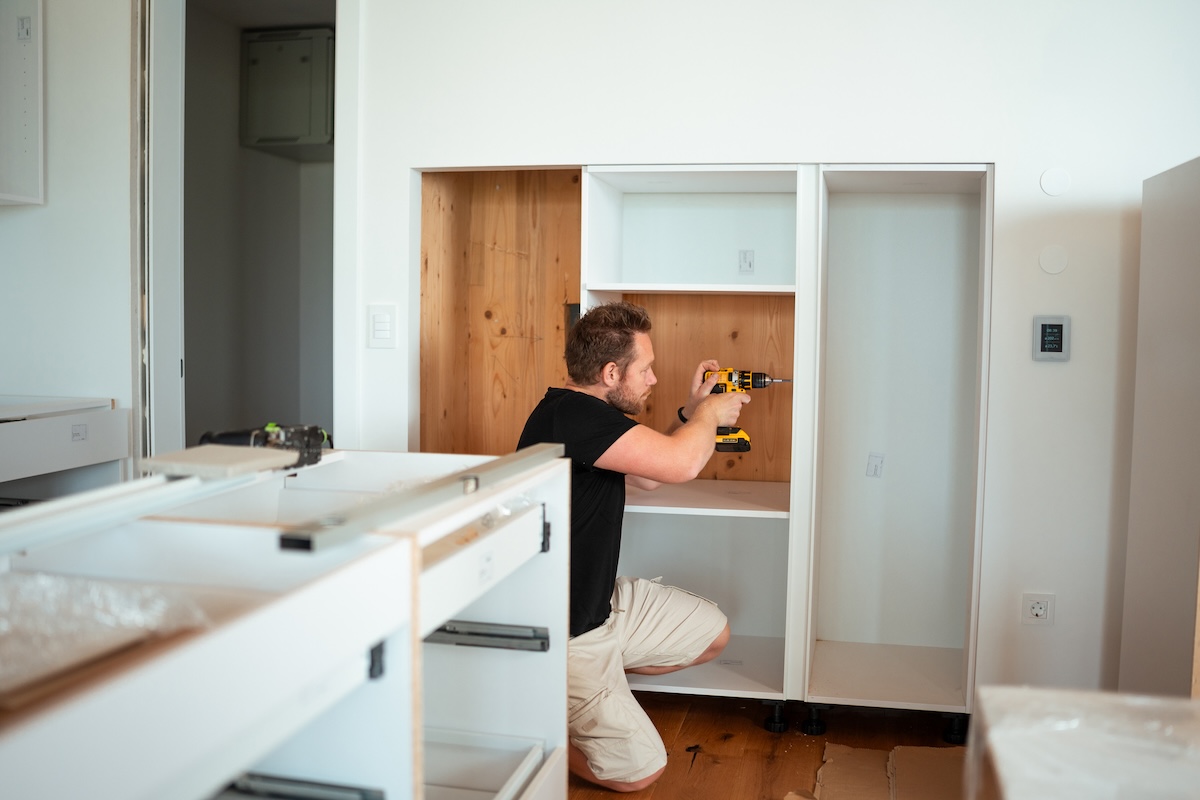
(382, 319)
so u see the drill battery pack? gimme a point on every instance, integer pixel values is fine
(732, 440)
(306, 440)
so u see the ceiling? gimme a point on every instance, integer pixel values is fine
(271, 13)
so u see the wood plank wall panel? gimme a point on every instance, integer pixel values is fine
(751, 332)
(499, 265)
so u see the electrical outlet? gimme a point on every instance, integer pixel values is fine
(746, 262)
(1037, 609)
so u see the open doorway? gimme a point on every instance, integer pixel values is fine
(240, 243)
(258, 240)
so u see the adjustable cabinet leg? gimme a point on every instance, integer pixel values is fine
(775, 723)
(956, 729)
(814, 725)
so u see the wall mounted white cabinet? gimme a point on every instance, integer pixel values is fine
(287, 92)
(845, 581)
(22, 123)
(290, 683)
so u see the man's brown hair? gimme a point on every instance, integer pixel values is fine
(605, 333)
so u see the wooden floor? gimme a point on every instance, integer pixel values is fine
(719, 749)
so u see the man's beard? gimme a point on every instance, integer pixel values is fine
(623, 400)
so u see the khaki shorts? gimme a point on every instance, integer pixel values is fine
(650, 625)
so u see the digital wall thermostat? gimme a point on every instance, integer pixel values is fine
(1051, 338)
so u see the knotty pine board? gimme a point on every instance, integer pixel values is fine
(500, 256)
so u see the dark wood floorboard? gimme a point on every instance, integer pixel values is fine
(719, 749)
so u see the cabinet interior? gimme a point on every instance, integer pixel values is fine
(902, 354)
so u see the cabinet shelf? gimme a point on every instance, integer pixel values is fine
(887, 676)
(629, 287)
(713, 498)
(749, 666)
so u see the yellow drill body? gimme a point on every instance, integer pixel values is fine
(736, 440)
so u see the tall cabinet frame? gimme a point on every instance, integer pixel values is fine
(756, 265)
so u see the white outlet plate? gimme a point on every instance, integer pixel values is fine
(1037, 608)
(745, 262)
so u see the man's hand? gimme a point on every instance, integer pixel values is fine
(726, 406)
(648, 458)
(701, 388)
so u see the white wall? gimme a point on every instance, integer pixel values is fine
(66, 267)
(1103, 89)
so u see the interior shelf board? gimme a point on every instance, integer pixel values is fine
(625, 287)
(704, 497)
(750, 666)
(683, 178)
(887, 676)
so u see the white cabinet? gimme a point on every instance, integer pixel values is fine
(287, 92)
(905, 275)
(43, 435)
(868, 285)
(22, 93)
(321, 583)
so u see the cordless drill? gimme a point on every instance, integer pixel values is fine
(307, 440)
(736, 440)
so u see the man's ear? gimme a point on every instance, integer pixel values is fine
(611, 374)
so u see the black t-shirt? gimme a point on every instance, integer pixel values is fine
(586, 426)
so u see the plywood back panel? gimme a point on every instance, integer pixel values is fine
(499, 267)
(748, 332)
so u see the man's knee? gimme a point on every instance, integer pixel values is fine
(635, 786)
(714, 649)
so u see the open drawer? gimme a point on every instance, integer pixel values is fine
(288, 635)
(468, 766)
(39, 435)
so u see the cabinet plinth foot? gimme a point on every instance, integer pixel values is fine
(956, 729)
(776, 722)
(814, 725)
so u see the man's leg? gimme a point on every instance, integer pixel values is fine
(664, 628)
(577, 762)
(612, 742)
(712, 651)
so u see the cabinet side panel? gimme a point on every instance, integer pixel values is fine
(746, 332)
(445, 202)
(1159, 624)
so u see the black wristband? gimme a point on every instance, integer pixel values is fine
(682, 418)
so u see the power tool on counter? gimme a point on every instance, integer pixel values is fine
(307, 440)
(736, 440)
